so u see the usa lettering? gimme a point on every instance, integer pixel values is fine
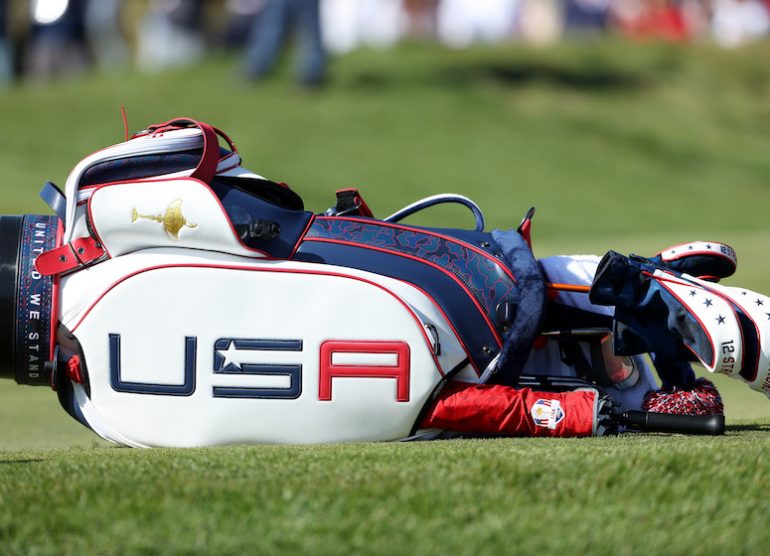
(275, 367)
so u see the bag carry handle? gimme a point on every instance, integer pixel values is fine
(207, 167)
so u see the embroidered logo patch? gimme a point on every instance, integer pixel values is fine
(547, 413)
(172, 220)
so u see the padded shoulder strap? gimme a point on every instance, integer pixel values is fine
(528, 317)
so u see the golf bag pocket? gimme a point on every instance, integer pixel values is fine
(138, 194)
(261, 353)
(177, 212)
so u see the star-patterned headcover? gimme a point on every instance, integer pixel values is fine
(707, 260)
(676, 316)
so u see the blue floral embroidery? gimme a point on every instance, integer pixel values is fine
(484, 277)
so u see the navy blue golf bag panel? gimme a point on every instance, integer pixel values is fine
(143, 166)
(266, 215)
(472, 279)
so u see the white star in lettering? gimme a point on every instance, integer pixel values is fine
(229, 356)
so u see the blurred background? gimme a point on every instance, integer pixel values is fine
(631, 124)
(42, 39)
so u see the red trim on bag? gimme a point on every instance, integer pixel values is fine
(228, 155)
(446, 319)
(460, 242)
(228, 168)
(451, 275)
(301, 237)
(409, 310)
(92, 226)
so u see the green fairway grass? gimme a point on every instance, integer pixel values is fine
(630, 495)
(625, 147)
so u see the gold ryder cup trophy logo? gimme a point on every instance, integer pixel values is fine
(172, 220)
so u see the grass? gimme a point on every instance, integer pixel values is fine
(672, 495)
(620, 146)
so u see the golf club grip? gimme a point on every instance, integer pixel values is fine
(685, 424)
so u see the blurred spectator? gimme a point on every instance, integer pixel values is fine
(171, 34)
(737, 22)
(5, 47)
(241, 15)
(540, 21)
(586, 16)
(41, 39)
(349, 24)
(650, 19)
(271, 31)
(57, 42)
(461, 23)
(697, 16)
(105, 36)
(421, 17)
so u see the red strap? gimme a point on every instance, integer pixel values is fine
(525, 228)
(71, 256)
(226, 137)
(207, 167)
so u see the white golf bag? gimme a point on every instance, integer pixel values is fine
(178, 299)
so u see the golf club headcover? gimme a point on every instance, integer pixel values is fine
(707, 260)
(503, 410)
(677, 316)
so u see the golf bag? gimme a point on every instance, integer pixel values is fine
(178, 299)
